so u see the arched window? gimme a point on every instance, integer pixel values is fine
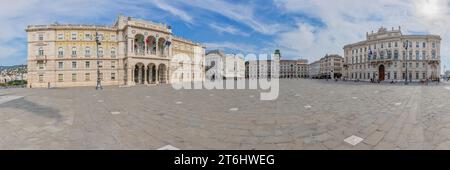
(74, 51)
(100, 52)
(60, 52)
(389, 54)
(87, 51)
(41, 51)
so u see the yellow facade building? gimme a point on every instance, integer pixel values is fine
(132, 52)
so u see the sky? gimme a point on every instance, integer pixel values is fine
(301, 29)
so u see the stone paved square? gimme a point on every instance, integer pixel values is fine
(308, 114)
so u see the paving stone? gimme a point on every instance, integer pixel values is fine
(374, 138)
(387, 117)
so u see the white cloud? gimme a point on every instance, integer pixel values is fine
(228, 29)
(230, 46)
(175, 11)
(347, 21)
(244, 14)
(16, 16)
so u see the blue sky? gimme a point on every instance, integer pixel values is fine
(306, 29)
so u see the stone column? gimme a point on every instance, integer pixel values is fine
(146, 75)
(130, 46)
(157, 46)
(145, 46)
(130, 77)
(157, 74)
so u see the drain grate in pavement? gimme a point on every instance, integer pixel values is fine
(353, 140)
(168, 147)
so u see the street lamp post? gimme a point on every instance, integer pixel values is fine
(99, 81)
(405, 45)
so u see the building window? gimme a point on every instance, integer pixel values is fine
(60, 36)
(395, 75)
(113, 64)
(113, 52)
(40, 65)
(417, 45)
(424, 55)
(417, 65)
(87, 52)
(41, 37)
(113, 37)
(74, 36)
(87, 77)
(396, 55)
(88, 64)
(74, 51)
(60, 77)
(389, 45)
(410, 55)
(41, 78)
(433, 54)
(417, 75)
(74, 77)
(41, 51)
(100, 52)
(74, 64)
(424, 44)
(113, 76)
(100, 64)
(423, 75)
(60, 65)
(417, 55)
(87, 36)
(60, 52)
(396, 44)
(433, 45)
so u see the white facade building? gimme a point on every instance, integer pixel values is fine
(388, 55)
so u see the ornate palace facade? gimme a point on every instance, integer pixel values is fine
(132, 52)
(388, 55)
